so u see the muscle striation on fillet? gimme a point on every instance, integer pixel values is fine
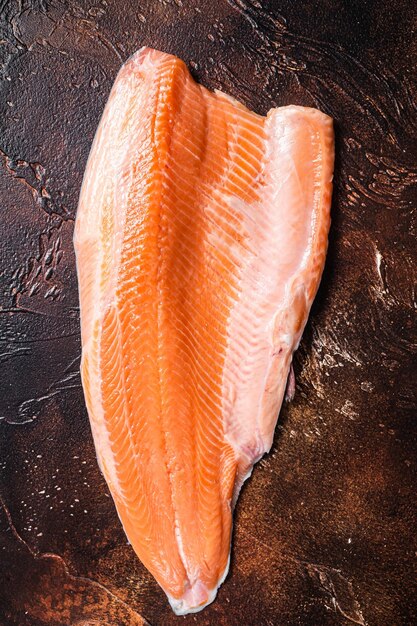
(201, 237)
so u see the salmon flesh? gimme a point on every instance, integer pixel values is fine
(200, 237)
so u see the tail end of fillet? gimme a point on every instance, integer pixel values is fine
(197, 596)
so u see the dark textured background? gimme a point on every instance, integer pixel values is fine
(325, 528)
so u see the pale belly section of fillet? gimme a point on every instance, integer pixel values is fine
(200, 237)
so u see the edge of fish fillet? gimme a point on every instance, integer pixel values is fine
(197, 597)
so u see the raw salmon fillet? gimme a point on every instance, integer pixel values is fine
(201, 236)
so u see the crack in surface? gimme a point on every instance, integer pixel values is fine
(33, 176)
(339, 589)
(44, 556)
(335, 585)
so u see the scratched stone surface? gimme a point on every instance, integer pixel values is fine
(325, 529)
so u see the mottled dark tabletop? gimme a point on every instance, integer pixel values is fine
(325, 529)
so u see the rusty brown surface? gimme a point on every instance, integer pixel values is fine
(324, 530)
